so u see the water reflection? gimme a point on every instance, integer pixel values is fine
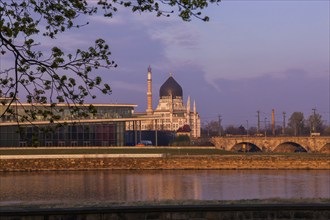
(98, 186)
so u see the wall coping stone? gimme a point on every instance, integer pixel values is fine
(79, 156)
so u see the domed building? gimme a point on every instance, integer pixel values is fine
(170, 113)
(170, 88)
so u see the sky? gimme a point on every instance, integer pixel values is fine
(251, 56)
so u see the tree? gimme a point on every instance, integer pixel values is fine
(326, 131)
(212, 129)
(53, 75)
(315, 122)
(184, 128)
(296, 123)
(252, 130)
(232, 130)
(181, 140)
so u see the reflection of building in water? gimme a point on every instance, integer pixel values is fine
(170, 113)
(118, 186)
(169, 185)
(197, 188)
(162, 185)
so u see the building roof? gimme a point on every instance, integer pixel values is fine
(170, 88)
(75, 121)
(80, 105)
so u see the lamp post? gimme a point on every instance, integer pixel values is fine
(265, 126)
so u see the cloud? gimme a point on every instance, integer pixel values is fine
(240, 98)
(127, 86)
(177, 37)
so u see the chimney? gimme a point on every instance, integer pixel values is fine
(195, 121)
(273, 122)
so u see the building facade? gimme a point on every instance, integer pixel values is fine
(111, 125)
(170, 113)
(105, 128)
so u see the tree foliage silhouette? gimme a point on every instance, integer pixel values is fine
(297, 123)
(51, 76)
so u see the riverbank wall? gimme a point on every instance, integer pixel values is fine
(100, 162)
(178, 212)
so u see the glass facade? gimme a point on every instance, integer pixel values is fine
(87, 132)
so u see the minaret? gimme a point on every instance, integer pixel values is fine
(188, 111)
(149, 92)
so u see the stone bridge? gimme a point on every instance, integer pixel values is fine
(273, 144)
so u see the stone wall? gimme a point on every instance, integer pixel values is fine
(170, 162)
(269, 144)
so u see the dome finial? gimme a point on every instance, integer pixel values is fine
(170, 74)
(149, 69)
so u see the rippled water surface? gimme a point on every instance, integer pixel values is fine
(117, 186)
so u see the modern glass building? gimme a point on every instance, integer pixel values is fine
(105, 128)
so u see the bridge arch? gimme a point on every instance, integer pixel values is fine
(289, 147)
(325, 148)
(245, 147)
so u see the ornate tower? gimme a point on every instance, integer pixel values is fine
(149, 92)
(188, 111)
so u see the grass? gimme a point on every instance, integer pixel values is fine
(128, 150)
(175, 151)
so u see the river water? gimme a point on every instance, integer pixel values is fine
(156, 185)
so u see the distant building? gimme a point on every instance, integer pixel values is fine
(112, 125)
(106, 128)
(170, 113)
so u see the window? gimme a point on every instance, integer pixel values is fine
(22, 143)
